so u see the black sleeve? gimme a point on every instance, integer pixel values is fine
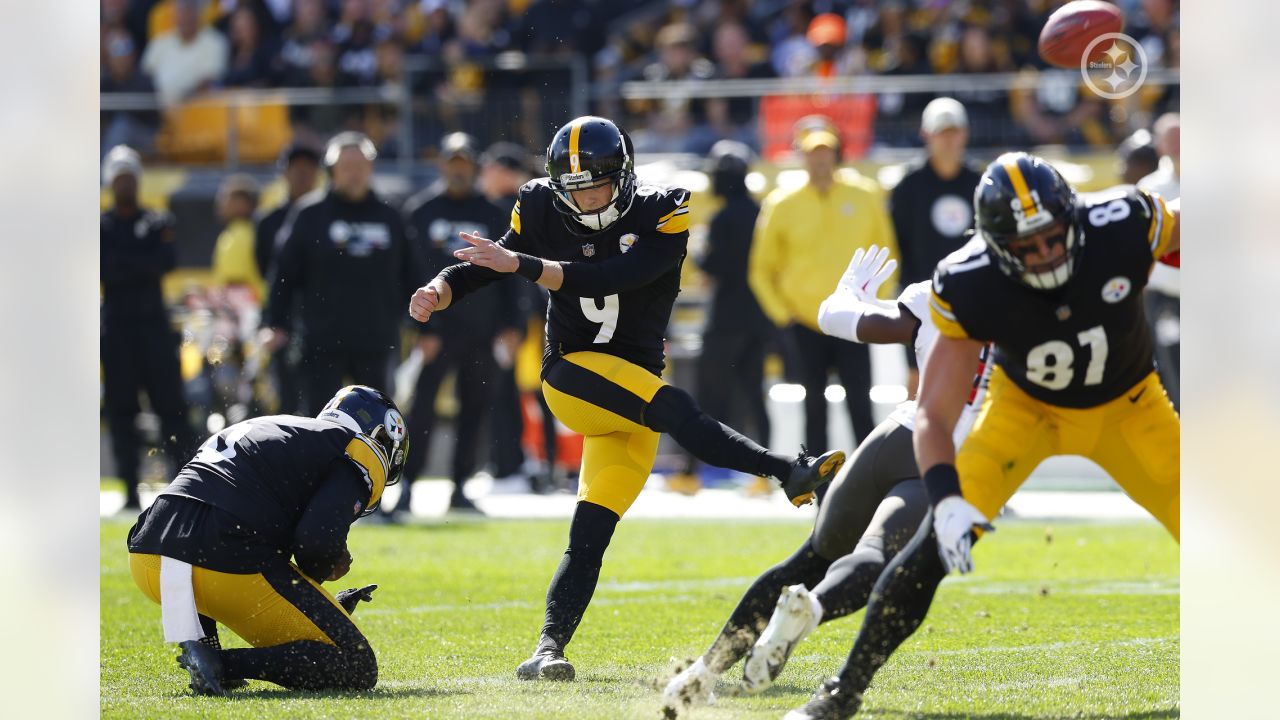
(649, 258)
(264, 241)
(320, 539)
(290, 272)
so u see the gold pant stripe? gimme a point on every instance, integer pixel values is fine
(1134, 438)
(603, 397)
(247, 604)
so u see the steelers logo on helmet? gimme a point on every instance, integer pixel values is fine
(394, 424)
(1026, 214)
(587, 153)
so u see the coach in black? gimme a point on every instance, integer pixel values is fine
(462, 342)
(139, 348)
(343, 263)
(932, 206)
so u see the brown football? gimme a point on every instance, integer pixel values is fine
(1073, 26)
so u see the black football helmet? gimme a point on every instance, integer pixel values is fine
(1021, 195)
(372, 414)
(589, 152)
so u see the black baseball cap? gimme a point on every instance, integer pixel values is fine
(297, 149)
(508, 155)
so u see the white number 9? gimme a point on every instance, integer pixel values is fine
(606, 316)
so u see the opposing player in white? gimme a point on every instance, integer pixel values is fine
(870, 512)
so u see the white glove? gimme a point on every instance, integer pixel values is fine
(953, 519)
(867, 271)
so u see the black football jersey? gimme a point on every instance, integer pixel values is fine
(619, 283)
(1079, 345)
(265, 470)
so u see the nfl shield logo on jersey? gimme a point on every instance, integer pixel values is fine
(588, 249)
(1116, 289)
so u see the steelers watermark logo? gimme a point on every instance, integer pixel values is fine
(1120, 69)
(1116, 289)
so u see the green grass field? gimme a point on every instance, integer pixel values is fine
(1077, 621)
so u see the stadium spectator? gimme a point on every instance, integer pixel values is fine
(735, 118)
(300, 166)
(120, 74)
(676, 124)
(188, 59)
(139, 348)
(737, 334)
(356, 38)
(346, 267)
(988, 109)
(463, 343)
(803, 238)
(293, 65)
(251, 54)
(790, 51)
(1164, 289)
(828, 55)
(1137, 157)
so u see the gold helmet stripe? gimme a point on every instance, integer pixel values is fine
(1020, 186)
(575, 130)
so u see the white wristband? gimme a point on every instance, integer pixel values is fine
(839, 316)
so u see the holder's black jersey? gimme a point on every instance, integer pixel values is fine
(266, 470)
(619, 283)
(1079, 345)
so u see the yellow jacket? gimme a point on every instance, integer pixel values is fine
(233, 259)
(804, 241)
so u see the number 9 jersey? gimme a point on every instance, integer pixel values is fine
(620, 283)
(1083, 343)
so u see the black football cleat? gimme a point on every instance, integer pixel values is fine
(830, 702)
(810, 473)
(204, 665)
(546, 665)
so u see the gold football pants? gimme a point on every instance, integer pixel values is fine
(1134, 438)
(603, 398)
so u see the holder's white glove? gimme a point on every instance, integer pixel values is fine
(867, 271)
(953, 519)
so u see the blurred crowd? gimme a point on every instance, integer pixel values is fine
(470, 51)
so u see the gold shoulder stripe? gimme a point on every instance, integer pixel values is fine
(369, 458)
(935, 298)
(945, 320)
(676, 224)
(683, 208)
(515, 217)
(1160, 232)
(1020, 187)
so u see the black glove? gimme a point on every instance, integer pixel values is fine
(348, 599)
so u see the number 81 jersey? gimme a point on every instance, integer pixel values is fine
(1079, 345)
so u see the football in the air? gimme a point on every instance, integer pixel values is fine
(1073, 26)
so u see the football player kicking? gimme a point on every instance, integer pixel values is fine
(215, 546)
(609, 249)
(1055, 282)
(870, 512)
